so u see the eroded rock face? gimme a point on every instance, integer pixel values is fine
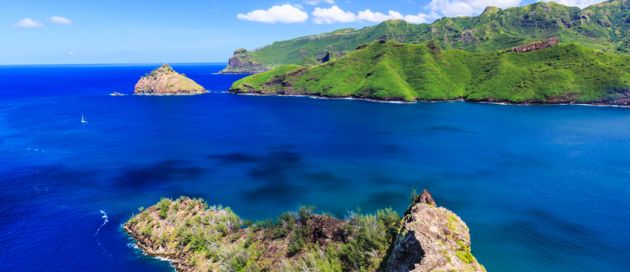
(431, 239)
(242, 62)
(553, 41)
(165, 81)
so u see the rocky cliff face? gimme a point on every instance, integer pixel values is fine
(431, 239)
(197, 237)
(165, 81)
(553, 41)
(243, 62)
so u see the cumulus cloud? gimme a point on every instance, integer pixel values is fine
(317, 2)
(577, 3)
(376, 17)
(433, 10)
(453, 8)
(28, 23)
(332, 15)
(59, 20)
(286, 14)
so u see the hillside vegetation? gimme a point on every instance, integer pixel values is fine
(198, 237)
(604, 26)
(390, 70)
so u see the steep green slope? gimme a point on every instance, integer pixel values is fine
(603, 26)
(395, 71)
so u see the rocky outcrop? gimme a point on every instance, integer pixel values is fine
(198, 237)
(165, 81)
(553, 41)
(431, 239)
(243, 62)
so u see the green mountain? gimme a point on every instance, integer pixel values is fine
(605, 26)
(389, 70)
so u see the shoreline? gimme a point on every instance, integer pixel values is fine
(145, 250)
(437, 233)
(463, 100)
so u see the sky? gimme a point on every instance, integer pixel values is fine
(195, 31)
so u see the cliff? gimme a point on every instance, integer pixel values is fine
(198, 237)
(431, 239)
(243, 62)
(553, 41)
(166, 81)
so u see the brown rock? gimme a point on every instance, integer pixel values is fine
(165, 81)
(242, 62)
(431, 239)
(553, 41)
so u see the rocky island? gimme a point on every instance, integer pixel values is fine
(166, 81)
(198, 237)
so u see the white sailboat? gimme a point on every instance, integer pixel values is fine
(83, 120)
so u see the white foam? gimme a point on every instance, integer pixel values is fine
(105, 221)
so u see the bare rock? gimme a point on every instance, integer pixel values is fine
(243, 62)
(431, 239)
(165, 81)
(553, 41)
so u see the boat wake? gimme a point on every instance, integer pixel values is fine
(98, 230)
(105, 221)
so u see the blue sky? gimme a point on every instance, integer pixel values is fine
(141, 31)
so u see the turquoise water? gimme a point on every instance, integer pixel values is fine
(542, 188)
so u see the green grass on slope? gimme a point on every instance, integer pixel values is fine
(258, 80)
(395, 71)
(564, 73)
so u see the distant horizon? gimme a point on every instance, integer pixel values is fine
(113, 64)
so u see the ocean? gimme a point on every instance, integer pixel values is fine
(542, 188)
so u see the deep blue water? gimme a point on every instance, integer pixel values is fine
(542, 188)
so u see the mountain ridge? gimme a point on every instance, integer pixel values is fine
(604, 26)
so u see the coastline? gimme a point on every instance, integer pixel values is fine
(145, 250)
(463, 100)
(426, 236)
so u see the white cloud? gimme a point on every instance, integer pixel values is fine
(453, 8)
(577, 3)
(287, 14)
(434, 10)
(58, 20)
(377, 17)
(28, 23)
(417, 19)
(332, 15)
(317, 2)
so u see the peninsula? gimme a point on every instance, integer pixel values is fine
(166, 81)
(196, 237)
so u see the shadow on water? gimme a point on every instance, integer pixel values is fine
(168, 170)
(273, 174)
(277, 175)
(326, 180)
